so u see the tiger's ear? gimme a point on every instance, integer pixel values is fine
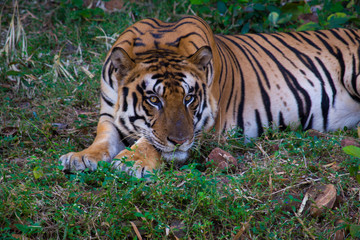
(201, 57)
(121, 60)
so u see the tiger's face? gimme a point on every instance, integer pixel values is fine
(164, 97)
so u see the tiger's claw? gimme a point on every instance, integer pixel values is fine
(79, 161)
(145, 157)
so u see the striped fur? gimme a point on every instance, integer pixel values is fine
(201, 80)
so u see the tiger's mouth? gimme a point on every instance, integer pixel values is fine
(177, 156)
(173, 154)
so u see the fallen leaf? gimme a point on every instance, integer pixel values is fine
(324, 198)
(38, 172)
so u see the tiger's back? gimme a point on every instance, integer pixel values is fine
(308, 78)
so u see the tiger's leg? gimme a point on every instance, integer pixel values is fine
(145, 157)
(105, 146)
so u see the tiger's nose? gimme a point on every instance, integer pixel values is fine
(177, 141)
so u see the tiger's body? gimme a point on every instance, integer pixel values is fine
(164, 83)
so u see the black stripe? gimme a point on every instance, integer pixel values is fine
(194, 44)
(354, 78)
(276, 48)
(204, 95)
(340, 58)
(126, 31)
(204, 24)
(349, 36)
(135, 100)
(311, 66)
(138, 30)
(106, 114)
(324, 107)
(149, 24)
(261, 69)
(124, 41)
(265, 97)
(338, 37)
(235, 61)
(125, 92)
(258, 123)
(104, 73)
(107, 100)
(110, 71)
(294, 87)
(139, 44)
(293, 35)
(321, 32)
(157, 22)
(310, 124)
(205, 122)
(281, 124)
(177, 41)
(189, 21)
(337, 55)
(122, 122)
(329, 79)
(311, 43)
(356, 34)
(122, 137)
(142, 172)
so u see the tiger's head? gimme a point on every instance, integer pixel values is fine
(164, 97)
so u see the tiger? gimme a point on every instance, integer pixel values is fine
(164, 84)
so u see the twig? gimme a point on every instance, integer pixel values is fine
(243, 229)
(305, 182)
(136, 230)
(303, 203)
(296, 185)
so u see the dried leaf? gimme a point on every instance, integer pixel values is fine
(136, 230)
(325, 199)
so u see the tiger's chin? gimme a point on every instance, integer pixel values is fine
(178, 157)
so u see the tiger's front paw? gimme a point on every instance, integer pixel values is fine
(144, 156)
(134, 168)
(86, 159)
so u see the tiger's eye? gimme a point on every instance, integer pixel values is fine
(189, 98)
(154, 99)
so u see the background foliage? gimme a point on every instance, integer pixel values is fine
(50, 62)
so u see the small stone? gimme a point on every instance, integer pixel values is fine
(221, 159)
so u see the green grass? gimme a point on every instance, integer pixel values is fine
(50, 107)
